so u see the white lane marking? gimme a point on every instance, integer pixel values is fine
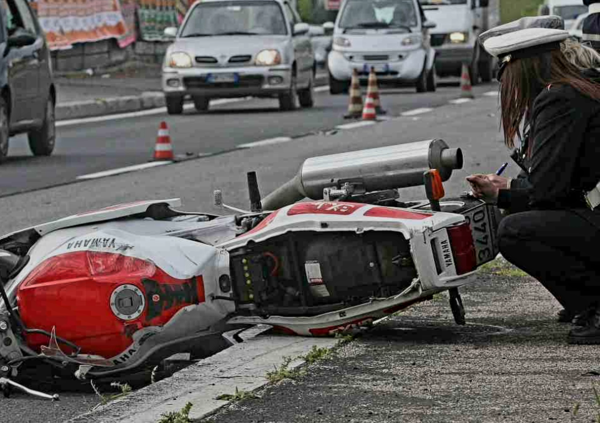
(141, 113)
(270, 141)
(322, 89)
(460, 101)
(417, 111)
(123, 170)
(492, 94)
(356, 124)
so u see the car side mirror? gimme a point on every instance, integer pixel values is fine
(328, 27)
(21, 39)
(429, 24)
(170, 32)
(301, 28)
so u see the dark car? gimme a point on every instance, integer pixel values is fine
(27, 95)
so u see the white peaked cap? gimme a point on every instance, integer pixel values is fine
(525, 42)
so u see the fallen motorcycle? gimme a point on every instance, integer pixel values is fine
(109, 292)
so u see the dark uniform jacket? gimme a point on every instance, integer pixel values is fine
(564, 159)
(591, 27)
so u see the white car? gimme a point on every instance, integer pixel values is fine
(239, 48)
(391, 36)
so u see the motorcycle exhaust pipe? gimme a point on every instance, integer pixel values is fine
(376, 169)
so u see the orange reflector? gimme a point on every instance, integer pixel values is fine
(434, 185)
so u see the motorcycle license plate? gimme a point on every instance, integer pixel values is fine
(484, 224)
(219, 78)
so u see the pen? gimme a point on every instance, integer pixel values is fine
(502, 169)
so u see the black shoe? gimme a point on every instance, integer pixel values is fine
(586, 335)
(565, 316)
(585, 317)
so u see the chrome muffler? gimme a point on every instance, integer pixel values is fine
(376, 169)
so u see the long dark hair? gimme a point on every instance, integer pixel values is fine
(524, 79)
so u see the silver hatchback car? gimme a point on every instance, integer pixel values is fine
(239, 48)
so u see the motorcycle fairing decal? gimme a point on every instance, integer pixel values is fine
(332, 330)
(387, 212)
(324, 207)
(262, 225)
(162, 297)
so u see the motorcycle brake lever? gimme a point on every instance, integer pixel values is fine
(4, 382)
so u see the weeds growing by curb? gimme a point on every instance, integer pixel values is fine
(105, 399)
(283, 372)
(238, 396)
(182, 416)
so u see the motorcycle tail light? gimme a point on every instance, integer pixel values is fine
(104, 264)
(463, 248)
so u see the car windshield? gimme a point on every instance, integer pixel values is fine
(235, 18)
(378, 14)
(569, 12)
(442, 2)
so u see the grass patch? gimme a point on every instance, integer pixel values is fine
(511, 10)
(182, 416)
(238, 396)
(283, 372)
(124, 390)
(317, 354)
(502, 268)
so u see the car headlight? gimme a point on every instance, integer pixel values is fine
(459, 37)
(268, 58)
(411, 40)
(341, 41)
(180, 60)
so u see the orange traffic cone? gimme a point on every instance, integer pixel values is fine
(355, 107)
(369, 112)
(163, 149)
(373, 88)
(466, 90)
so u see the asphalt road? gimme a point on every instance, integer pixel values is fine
(472, 126)
(86, 148)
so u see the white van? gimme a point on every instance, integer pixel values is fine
(569, 10)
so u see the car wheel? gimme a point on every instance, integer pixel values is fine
(289, 100)
(174, 105)
(42, 141)
(336, 86)
(307, 95)
(201, 103)
(431, 80)
(421, 83)
(4, 130)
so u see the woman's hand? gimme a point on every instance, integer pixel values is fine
(486, 187)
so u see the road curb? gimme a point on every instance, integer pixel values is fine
(108, 106)
(241, 367)
(125, 104)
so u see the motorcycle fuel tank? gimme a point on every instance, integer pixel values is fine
(100, 288)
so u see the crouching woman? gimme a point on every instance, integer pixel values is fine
(552, 231)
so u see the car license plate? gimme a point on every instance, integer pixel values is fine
(219, 78)
(382, 68)
(484, 224)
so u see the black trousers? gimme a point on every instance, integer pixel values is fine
(559, 248)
